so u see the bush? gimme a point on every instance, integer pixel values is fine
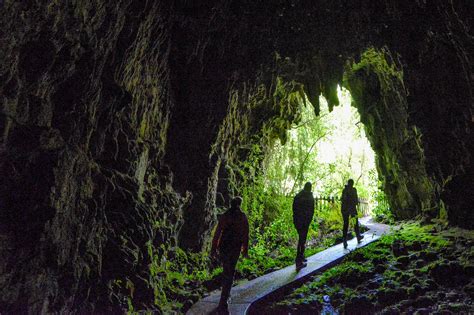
(382, 211)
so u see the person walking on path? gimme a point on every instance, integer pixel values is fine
(231, 238)
(303, 211)
(349, 202)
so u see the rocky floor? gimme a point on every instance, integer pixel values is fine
(417, 270)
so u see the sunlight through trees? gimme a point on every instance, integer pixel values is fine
(326, 150)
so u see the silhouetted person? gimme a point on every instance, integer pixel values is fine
(231, 237)
(349, 202)
(303, 211)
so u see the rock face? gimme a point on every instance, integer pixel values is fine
(126, 123)
(380, 95)
(85, 112)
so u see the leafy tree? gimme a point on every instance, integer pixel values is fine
(326, 150)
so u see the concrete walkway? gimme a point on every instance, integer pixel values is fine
(243, 295)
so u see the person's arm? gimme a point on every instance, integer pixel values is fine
(217, 237)
(293, 207)
(245, 241)
(343, 200)
(356, 196)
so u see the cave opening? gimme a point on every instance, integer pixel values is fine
(297, 125)
(326, 149)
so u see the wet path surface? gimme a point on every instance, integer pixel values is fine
(244, 295)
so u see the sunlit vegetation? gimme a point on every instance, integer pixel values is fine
(327, 150)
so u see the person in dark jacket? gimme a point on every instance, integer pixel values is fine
(349, 202)
(231, 238)
(303, 211)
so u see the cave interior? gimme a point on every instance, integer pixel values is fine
(125, 125)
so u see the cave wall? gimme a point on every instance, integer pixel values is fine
(85, 106)
(119, 115)
(380, 96)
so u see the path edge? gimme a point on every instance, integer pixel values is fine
(252, 308)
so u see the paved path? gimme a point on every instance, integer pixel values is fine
(243, 295)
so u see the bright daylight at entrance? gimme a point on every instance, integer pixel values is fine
(327, 150)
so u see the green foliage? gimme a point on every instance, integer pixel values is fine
(328, 284)
(412, 231)
(288, 166)
(382, 211)
(326, 150)
(328, 217)
(272, 234)
(174, 277)
(349, 270)
(273, 237)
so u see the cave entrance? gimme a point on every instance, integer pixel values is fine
(326, 150)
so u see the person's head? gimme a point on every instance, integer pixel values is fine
(350, 182)
(236, 203)
(307, 186)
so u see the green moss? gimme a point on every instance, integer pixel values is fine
(375, 61)
(174, 277)
(395, 282)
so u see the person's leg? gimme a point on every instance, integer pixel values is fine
(345, 227)
(302, 242)
(357, 231)
(227, 278)
(300, 247)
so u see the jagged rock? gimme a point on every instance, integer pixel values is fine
(453, 296)
(431, 285)
(357, 304)
(469, 289)
(399, 248)
(448, 273)
(419, 263)
(468, 270)
(391, 296)
(423, 311)
(413, 281)
(428, 255)
(457, 307)
(394, 309)
(414, 291)
(406, 276)
(403, 261)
